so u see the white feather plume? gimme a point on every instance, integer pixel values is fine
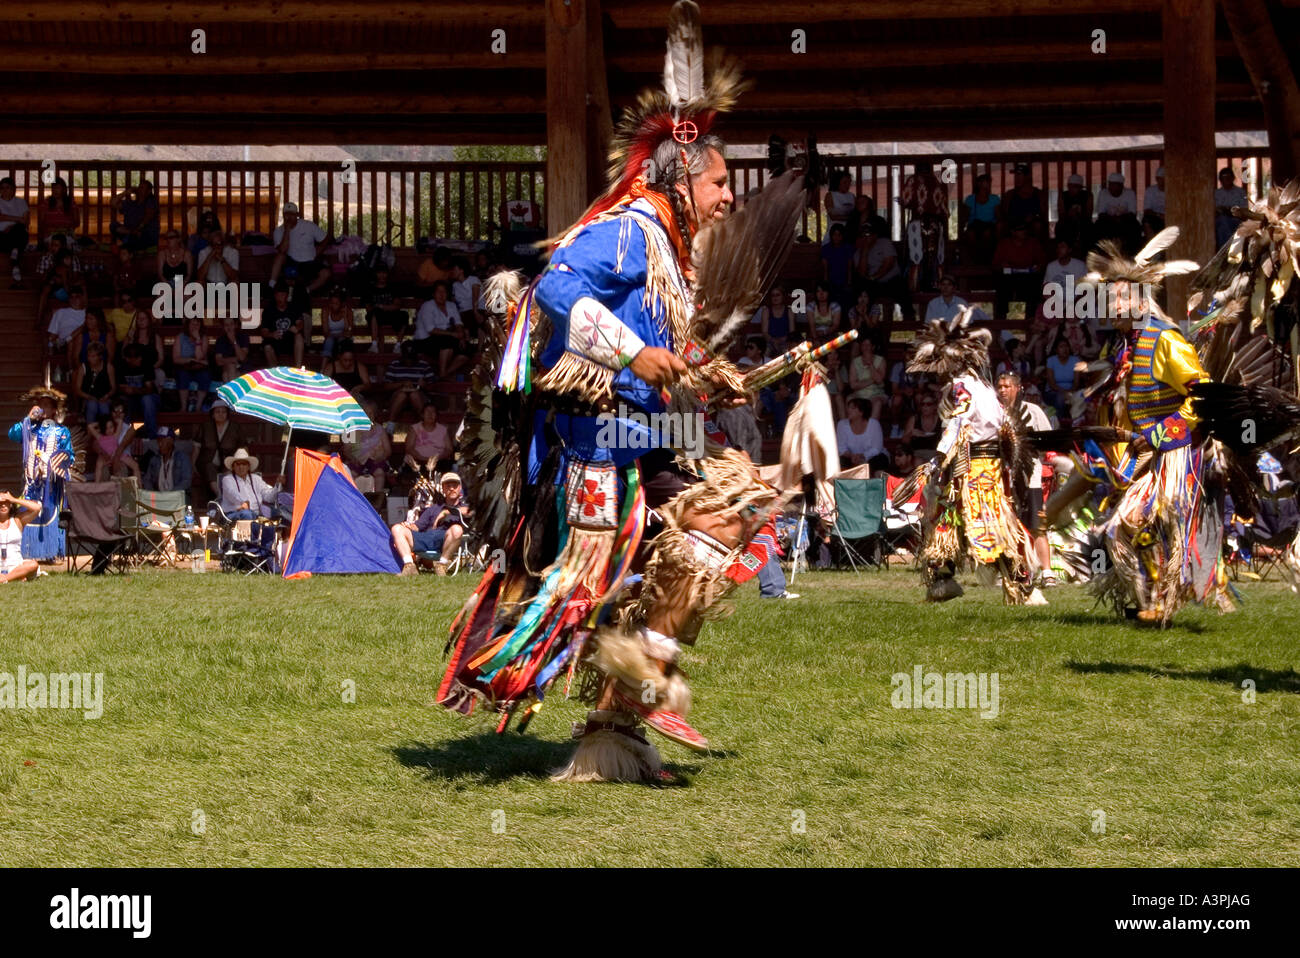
(684, 61)
(1160, 242)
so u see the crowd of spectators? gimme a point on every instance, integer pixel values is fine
(395, 340)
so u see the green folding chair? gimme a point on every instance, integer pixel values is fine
(157, 516)
(859, 517)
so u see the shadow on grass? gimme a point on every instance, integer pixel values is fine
(1092, 619)
(1266, 680)
(491, 758)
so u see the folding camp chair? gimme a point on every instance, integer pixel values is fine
(157, 514)
(859, 510)
(93, 526)
(1262, 543)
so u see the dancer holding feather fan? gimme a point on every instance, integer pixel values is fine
(631, 318)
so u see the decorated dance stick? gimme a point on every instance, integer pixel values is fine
(795, 360)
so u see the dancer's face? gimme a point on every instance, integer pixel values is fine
(710, 190)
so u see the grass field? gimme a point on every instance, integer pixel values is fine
(225, 738)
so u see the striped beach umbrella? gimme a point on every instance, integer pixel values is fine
(297, 398)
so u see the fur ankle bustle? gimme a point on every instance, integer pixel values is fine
(625, 656)
(610, 749)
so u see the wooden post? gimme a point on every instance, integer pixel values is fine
(566, 112)
(600, 124)
(1188, 28)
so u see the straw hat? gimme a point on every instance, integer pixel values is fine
(241, 455)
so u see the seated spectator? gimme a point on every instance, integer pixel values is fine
(406, 380)
(1017, 360)
(776, 321)
(381, 311)
(1018, 264)
(859, 438)
(367, 454)
(298, 243)
(428, 443)
(1074, 214)
(1024, 203)
(837, 267)
(904, 464)
(15, 513)
(1084, 342)
(230, 351)
(135, 218)
(924, 427)
(13, 226)
(244, 494)
(190, 362)
(864, 208)
(58, 215)
(868, 319)
(218, 442)
(438, 329)
(876, 265)
(1117, 213)
(136, 382)
(437, 529)
(64, 326)
(824, 315)
(902, 395)
(282, 331)
(127, 279)
(947, 304)
(121, 316)
(198, 242)
(170, 470)
(465, 291)
(95, 383)
(174, 260)
(1226, 197)
(59, 270)
(95, 330)
(434, 269)
(978, 219)
(344, 369)
(867, 373)
(335, 321)
(840, 202)
(219, 261)
(753, 355)
(777, 401)
(1062, 376)
(1153, 200)
(1065, 264)
(111, 436)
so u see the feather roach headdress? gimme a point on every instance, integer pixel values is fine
(42, 393)
(1109, 264)
(684, 110)
(950, 348)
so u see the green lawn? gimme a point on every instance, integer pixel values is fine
(224, 707)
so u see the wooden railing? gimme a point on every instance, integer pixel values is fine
(447, 200)
(461, 201)
(882, 177)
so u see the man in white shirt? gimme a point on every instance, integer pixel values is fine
(947, 304)
(1065, 264)
(1031, 512)
(438, 329)
(1117, 213)
(1225, 198)
(13, 226)
(218, 263)
(859, 437)
(298, 243)
(466, 290)
(67, 322)
(1153, 200)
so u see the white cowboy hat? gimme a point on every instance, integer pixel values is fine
(241, 455)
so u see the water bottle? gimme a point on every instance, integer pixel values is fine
(189, 517)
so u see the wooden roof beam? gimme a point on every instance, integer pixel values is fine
(33, 59)
(502, 13)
